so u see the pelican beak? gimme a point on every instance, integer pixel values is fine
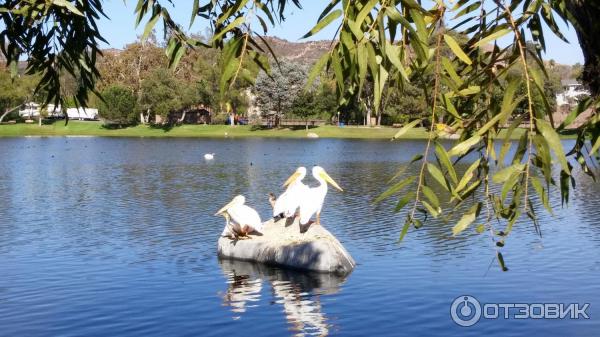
(291, 179)
(330, 180)
(222, 210)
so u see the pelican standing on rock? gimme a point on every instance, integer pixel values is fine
(312, 201)
(240, 219)
(289, 201)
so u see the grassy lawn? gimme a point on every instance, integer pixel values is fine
(78, 128)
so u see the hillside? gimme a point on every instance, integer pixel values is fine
(302, 52)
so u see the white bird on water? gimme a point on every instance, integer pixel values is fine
(312, 202)
(241, 220)
(209, 156)
(289, 201)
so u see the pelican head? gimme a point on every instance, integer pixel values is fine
(298, 175)
(237, 200)
(319, 173)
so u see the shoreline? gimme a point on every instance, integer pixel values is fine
(92, 128)
(95, 129)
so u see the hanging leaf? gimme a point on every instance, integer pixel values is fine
(406, 128)
(323, 23)
(395, 189)
(463, 147)
(554, 142)
(503, 175)
(466, 220)
(492, 37)
(451, 42)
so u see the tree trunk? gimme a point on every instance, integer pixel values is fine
(369, 108)
(587, 26)
(7, 112)
(183, 116)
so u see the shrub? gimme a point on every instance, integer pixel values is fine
(118, 106)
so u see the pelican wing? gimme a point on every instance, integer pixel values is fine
(311, 203)
(290, 200)
(244, 215)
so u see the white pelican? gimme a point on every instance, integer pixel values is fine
(312, 202)
(240, 219)
(209, 156)
(289, 201)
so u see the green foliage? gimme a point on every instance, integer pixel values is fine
(119, 106)
(59, 37)
(162, 93)
(15, 91)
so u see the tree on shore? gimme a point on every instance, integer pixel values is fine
(119, 106)
(277, 92)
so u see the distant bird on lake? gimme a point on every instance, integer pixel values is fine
(209, 156)
(312, 200)
(289, 201)
(241, 220)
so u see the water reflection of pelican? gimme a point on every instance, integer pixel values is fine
(242, 288)
(298, 292)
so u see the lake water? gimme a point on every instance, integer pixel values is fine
(116, 237)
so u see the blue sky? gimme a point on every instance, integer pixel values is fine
(120, 29)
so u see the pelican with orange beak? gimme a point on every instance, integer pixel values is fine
(241, 220)
(289, 201)
(312, 202)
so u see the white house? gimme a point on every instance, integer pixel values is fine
(572, 90)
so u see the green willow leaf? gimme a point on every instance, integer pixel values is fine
(195, 6)
(394, 189)
(494, 36)
(435, 212)
(68, 5)
(430, 195)
(504, 174)
(466, 220)
(539, 189)
(323, 23)
(554, 143)
(406, 128)
(407, 224)
(235, 23)
(444, 159)
(435, 172)
(404, 201)
(467, 176)
(462, 148)
(501, 261)
(362, 15)
(451, 42)
(316, 70)
(595, 147)
(150, 25)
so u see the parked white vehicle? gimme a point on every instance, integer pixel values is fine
(32, 109)
(82, 113)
